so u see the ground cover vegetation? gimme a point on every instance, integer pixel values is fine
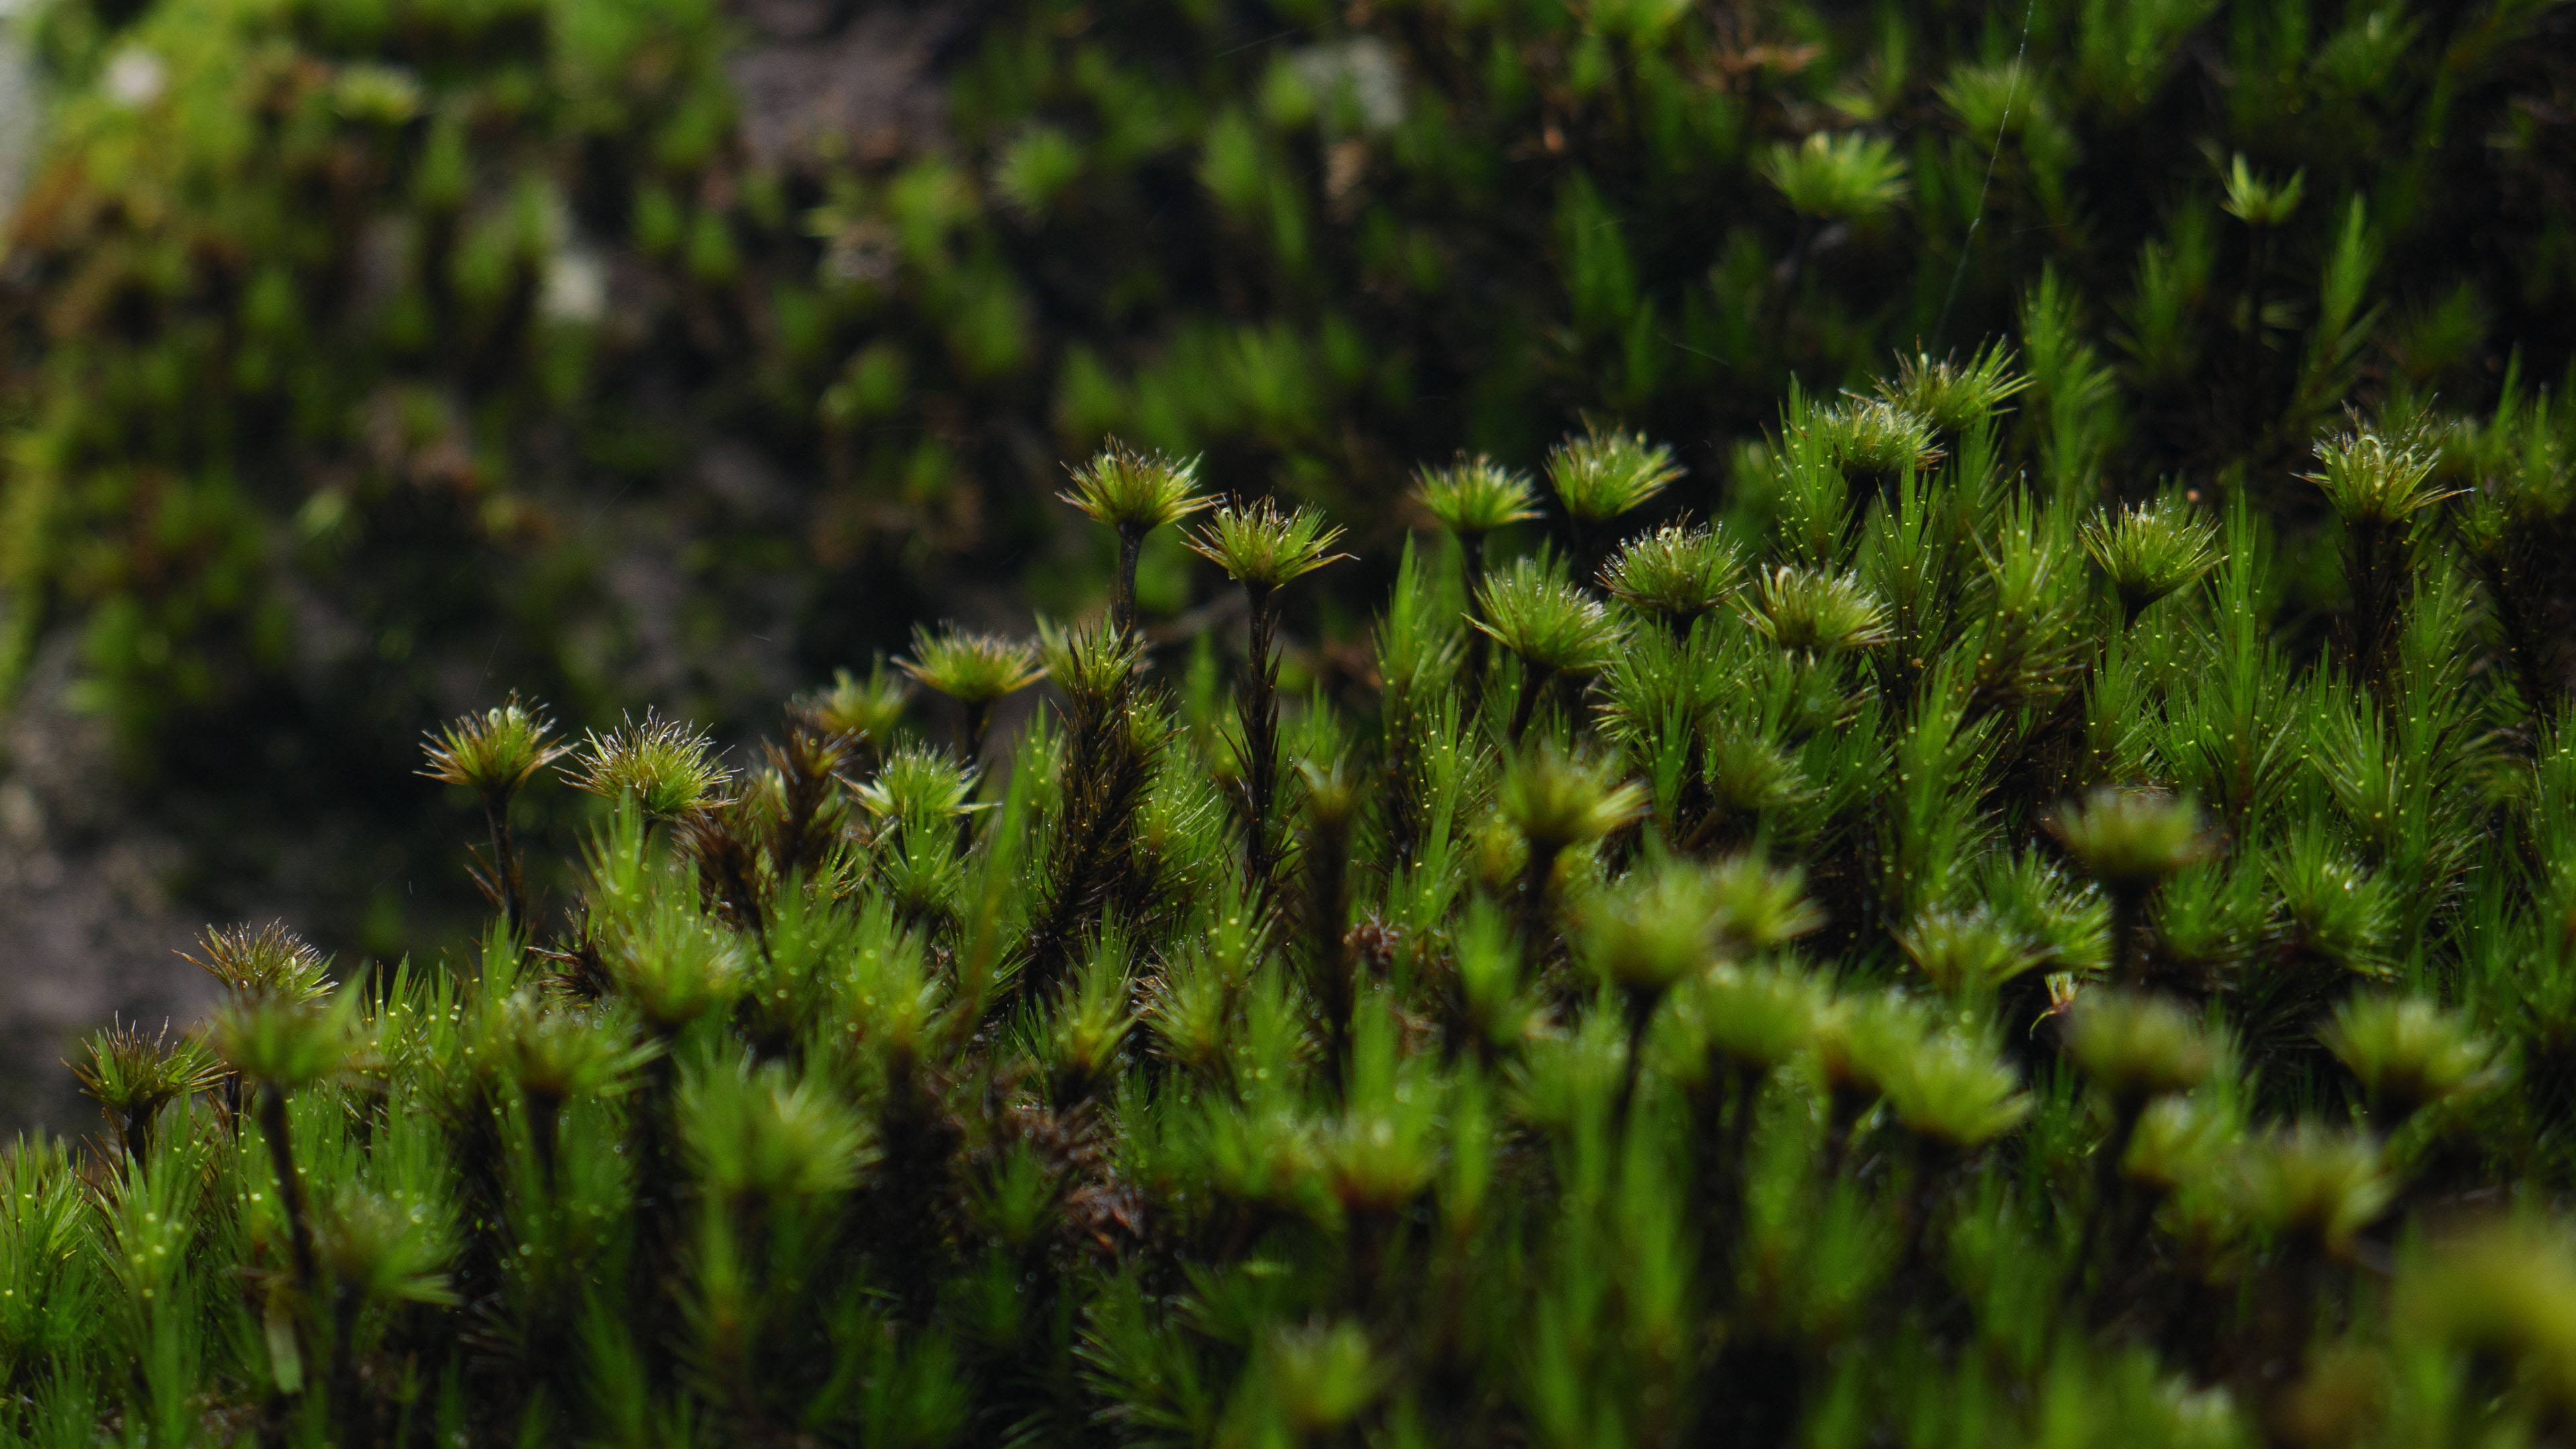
(1915, 958)
(341, 336)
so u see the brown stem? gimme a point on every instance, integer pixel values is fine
(2128, 907)
(2522, 644)
(507, 883)
(1258, 708)
(138, 1134)
(1533, 681)
(1641, 1002)
(2106, 1189)
(1472, 573)
(290, 1189)
(545, 1116)
(1535, 877)
(1122, 604)
(1327, 860)
(979, 723)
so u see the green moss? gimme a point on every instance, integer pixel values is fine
(1797, 1024)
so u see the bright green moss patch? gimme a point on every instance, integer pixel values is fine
(1947, 958)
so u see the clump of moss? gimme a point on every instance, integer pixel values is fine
(2151, 1057)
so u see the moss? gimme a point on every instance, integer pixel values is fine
(1497, 1073)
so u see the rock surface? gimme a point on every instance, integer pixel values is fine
(88, 928)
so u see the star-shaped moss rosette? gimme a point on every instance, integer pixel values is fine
(1677, 574)
(1551, 626)
(1134, 493)
(1601, 476)
(2408, 1053)
(2130, 841)
(1263, 547)
(2151, 551)
(1817, 613)
(1557, 800)
(864, 712)
(495, 753)
(133, 1075)
(664, 767)
(1471, 498)
(977, 670)
(2379, 485)
(1846, 176)
(1955, 396)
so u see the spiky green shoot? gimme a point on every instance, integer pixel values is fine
(970, 667)
(1679, 574)
(1671, 918)
(1603, 474)
(277, 1046)
(865, 712)
(1759, 907)
(1816, 613)
(1653, 927)
(1089, 1023)
(1747, 774)
(1953, 396)
(1092, 663)
(2377, 485)
(1134, 493)
(1318, 1377)
(379, 1250)
(271, 963)
(1127, 489)
(133, 1076)
(1474, 496)
(1845, 177)
(923, 792)
(557, 1053)
(1949, 1089)
(2314, 1185)
(2408, 1053)
(919, 786)
(764, 1134)
(495, 754)
(1554, 628)
(673, 962)
(2135, 1050)
(1263, 546)
(1967, 955)
(2369, 478)
(2150, 551)
(287, 1044)
(975, 669)
(2134, 1047)
(1753, 1018)
(2130, 842)
(1600, 476)
(1874, 440)
(2179, 1141)
(1557, 801)
(664, 767)
(1471, 498)
(2260, 203)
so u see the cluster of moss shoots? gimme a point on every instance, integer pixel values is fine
(1919, 960)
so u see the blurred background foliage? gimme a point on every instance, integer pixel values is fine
(361, 360)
